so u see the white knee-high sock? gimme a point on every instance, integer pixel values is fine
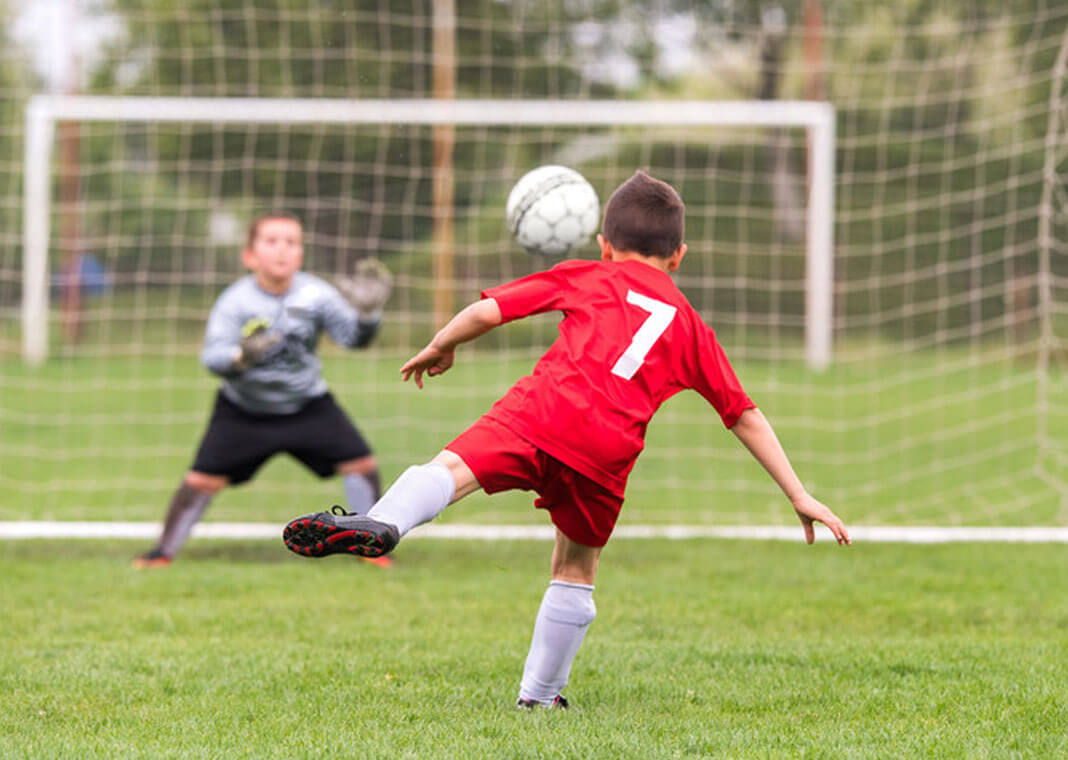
(361, 491)
(566, 611)
(419, 495)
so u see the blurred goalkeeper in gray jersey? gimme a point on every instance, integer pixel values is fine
(261, 339)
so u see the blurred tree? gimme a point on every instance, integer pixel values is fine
(328, 48)
(922, 88)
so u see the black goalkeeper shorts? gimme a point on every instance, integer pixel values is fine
(320, 435)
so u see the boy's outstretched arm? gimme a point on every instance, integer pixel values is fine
(754, 430)
(476, 319)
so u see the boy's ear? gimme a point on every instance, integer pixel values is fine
(248, 258)
(676, 258)
(606, 247)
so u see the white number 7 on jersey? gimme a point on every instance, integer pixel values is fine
(660, 316)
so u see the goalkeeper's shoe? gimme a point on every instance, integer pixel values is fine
(558, 703)
(154, 558)
(384, 561)
(339, 532)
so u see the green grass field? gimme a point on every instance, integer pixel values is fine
(700, 649)
(913, 439)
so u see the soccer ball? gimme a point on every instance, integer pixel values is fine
(552, 210)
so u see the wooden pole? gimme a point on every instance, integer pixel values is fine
(812, 50)
(70, 197)
(444, 66)
(813, 87)
(70, 231)
(812, 56)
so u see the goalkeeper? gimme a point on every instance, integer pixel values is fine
(261, 339)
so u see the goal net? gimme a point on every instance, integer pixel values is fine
(918, 380)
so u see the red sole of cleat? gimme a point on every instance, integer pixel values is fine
(315, 538)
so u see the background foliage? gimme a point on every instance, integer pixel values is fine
(941, 122)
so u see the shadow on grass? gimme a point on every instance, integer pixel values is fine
(238, 552)
(252, 552)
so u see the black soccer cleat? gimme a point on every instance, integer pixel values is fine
(558, 703)
(339, 532)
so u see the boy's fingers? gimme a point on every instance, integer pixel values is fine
(412, 364)
(837, 527)
(815, 512)
(408, 370)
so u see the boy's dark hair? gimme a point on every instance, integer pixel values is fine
(646, 216)
(254, 227)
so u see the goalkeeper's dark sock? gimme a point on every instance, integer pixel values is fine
(186, 509)
(566, 611)
(361, 491)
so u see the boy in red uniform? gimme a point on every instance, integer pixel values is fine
(572, 430)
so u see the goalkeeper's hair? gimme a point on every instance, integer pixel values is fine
(254, 227)
(645, 216)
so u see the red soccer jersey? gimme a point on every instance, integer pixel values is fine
(629, 340)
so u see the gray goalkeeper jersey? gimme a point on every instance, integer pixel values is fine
(290, 374)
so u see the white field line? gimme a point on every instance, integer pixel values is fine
(860, 534)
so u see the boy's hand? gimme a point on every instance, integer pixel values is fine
(431, 360)
(810, 510)
(257, 343)
(368, 288)
(472, 321)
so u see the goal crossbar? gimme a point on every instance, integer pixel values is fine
(44, 111)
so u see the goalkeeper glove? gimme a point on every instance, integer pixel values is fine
(368, 288)
(258, 342)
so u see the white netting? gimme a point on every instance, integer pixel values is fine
(946, 401)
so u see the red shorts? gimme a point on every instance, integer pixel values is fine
(583, 510)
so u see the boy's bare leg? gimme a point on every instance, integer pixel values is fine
(463, 479)
(574, 562)
(566, 611)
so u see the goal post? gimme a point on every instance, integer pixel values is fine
(817, 118)
(943, 404)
